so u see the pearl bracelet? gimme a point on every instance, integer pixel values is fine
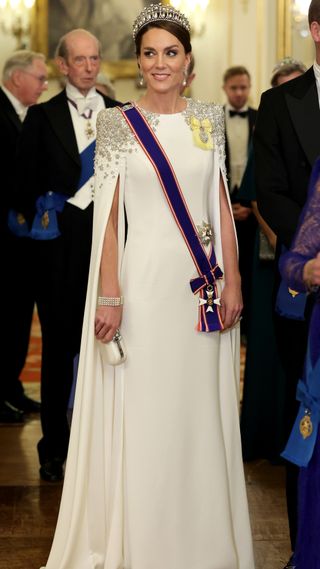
(110, 300)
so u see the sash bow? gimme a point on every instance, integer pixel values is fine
(45, 225)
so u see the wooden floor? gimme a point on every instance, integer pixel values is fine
(29, 507)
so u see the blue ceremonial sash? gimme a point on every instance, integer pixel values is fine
(207, 267)
(17, 224)
(303, 436)
(290, 303)
(87, 164)
(45, 224)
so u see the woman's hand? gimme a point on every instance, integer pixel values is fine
(107, 320)
(311, 272)
(231, 305)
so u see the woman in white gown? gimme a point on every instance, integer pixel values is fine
(154, 476)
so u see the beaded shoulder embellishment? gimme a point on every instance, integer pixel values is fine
(114, 140)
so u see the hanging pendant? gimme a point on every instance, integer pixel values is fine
(306, 426)
(89, 130)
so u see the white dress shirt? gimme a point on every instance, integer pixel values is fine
(237, 129)
(95, 102)
(20, 109)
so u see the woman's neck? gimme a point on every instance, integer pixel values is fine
(162, 103)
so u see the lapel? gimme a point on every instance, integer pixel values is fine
(58, 114)
(252, 115)
(303, 105)
(226, 146)
(9, 111)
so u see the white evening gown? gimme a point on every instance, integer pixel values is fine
(154, 476)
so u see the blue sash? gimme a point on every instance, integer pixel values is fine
(45, 224)
(207, 267)
(87, 164)
(303, 436)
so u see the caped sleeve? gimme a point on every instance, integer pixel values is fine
(113, 141)
(219, 135)
(306, 243)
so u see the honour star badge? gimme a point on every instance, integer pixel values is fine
(205, 233)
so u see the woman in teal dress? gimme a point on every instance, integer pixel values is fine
(262, 426)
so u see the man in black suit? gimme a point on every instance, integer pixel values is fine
(286, 145)
(24, 79)
(239, 121)
(56, 161)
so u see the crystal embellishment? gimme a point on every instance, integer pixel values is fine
(205, 233)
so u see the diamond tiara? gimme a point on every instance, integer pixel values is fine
(159, 13)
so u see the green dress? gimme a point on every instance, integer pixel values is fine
(262, 424)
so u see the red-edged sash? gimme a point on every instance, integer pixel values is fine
(207, 267)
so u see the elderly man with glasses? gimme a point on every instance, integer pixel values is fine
(24, 79)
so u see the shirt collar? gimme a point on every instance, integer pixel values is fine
(20, 109)
(230, 108)
(74, 93)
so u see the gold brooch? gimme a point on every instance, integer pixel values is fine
(45, 220)
(205, 233)
(20, 219)
(202, 133)
(306, 426)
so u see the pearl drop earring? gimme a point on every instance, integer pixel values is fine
(141, 80)
(185, 77)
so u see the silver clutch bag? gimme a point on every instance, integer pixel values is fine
(266, 252)
(114, 353)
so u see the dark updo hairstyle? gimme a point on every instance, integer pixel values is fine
(179, 32)
(314, 12)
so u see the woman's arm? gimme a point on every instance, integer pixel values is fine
(311, 272)
(108, 318)
(300, 266)
(231, 298)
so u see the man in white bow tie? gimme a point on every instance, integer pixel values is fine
(56, 163)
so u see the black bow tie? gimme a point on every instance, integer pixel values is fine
(242, 114)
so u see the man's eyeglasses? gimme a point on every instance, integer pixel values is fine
(41, 78)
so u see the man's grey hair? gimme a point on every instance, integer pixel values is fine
(21, 59)
(62, 47)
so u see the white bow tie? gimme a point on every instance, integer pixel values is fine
(83, 105)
